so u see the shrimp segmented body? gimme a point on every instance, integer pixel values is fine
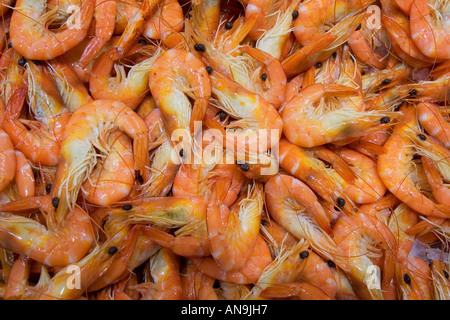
(31, 37)
(80, 136)
(167, 78)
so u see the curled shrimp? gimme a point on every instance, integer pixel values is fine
(324, 123)
(8, 160)
(197, 285)
(433, 122)
(51, 244)
(232, 232)
(31, 37)
(363, 239)
(105, 18)
(112, 178)
(80, 137)
(129, 88)
(295, 207)
(168, 90)
(394, 168)
(165, 275)
(249, 273)
(429, 20)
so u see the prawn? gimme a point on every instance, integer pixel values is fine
(51, 244)
(394, 167)
(232, 232)
(113, 177)
(165, 273)
(31, 37)
(295, 207)
(429, 20)
(167, 80)
(82, 134)
(128, 88)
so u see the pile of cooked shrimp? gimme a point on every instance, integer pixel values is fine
(225, 149)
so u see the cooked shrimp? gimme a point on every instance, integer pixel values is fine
(322, 48)
(232, 232)
(298, 290)
(85, 128)
(441, 285)
(363, 239)
(113, 176)
(72, 89)
(252, 113)
(328, 114)
(249, 273)
(394, 168)
(186, 214)
(285, 268)
(8, 160)
(412, 273)
(167, 81)
(18, 278)
(105, 18)
(273, 86)
(41, 144)
(295, 207)
(31, 37)
(51, 244)
(168, 18)
(309, 25)
(440, 191)
(368, 186)
(165, 276)
(304, 166)
(24, 176)
(429, 21)
(197, 285)
(92, 267)
(129, 88)
(433, 122)
(133, 30)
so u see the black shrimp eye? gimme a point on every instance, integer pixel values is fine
(334, 54)
(9, 45)
(209, 69)
(22, 61)
(199, 47)
(295, 14)
(407, 279)
(244, 167)
(386, 81)
(181, 153)
(331, 264)
(127, 207)
(48, 187)
(341, 202)
(413, 92)
(304, 254)
(55, 202)
(264, 76)
(385, 120)
(112, 250)
(446, 274)
(318, 65)
(222, 115)
(422, 137)
(358, 27)
(228, 25)
(142, 41)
